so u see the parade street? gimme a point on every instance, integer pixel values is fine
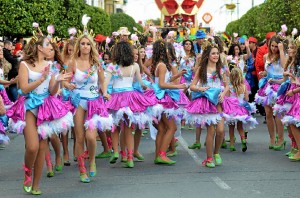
(259, 172)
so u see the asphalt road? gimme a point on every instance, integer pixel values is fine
(259, 172)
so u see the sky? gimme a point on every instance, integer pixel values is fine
(147, 9)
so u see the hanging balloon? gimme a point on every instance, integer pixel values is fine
(230, 6)
(207, 17)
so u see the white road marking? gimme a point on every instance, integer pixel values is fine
(198, 161)
(221, 183)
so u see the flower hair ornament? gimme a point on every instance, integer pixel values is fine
(36, 32)
(85, 19)
(72, 32)
(51, 30)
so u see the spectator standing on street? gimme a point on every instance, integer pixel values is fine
(13, 73)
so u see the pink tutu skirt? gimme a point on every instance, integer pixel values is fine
(98, 116)
(233, 112)
(133, 104)
(6, 101)
(201, 112)
(267, 94)
(4, 139)
(284, 102)
(293, 115)
(165, 105)
(53, 117)
(247, 86)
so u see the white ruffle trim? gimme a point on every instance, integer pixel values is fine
(58, 126)
(203, 119)
(260, 99)
(157, 110)
(253, 107)
(16, 127)
(248, 121)
(271, 95)
(286, 120)
(281, 109)
(100, 123)
(139, 118)
(4, 139)
(8, 106)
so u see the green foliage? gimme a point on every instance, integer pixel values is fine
(267, 17)
(100, 20)
(122, 20)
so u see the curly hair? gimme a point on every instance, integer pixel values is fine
(237, 80)
(159, 55)
(31, 49)
(65, 53)
(123, 54)
(290, 59)
(94, 56)
(204, 62)
(192, 48)
(231, 49)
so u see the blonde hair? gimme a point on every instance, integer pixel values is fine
(237, 80)
(65, 54)
(94, 56)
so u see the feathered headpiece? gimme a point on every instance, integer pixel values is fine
(51, 30)
(85, 19)
(36, 32)
(72, 32)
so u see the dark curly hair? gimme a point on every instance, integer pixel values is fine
(192, 49)
(123, 54)
(159, 55)
(204, 62)
(231, 49)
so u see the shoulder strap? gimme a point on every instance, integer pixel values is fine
(131, 73)
(26, 65)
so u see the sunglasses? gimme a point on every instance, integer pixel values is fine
(242, 43)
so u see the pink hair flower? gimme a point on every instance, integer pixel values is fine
(229, 58)
(50, 29)
(115, 34)
(72, 31)
(35, 25)
(295, 31)
(134, 37)
(235, 34)
(108, 40)
(284, 28)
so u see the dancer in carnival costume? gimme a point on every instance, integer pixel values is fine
(267, 92)
(237, 110)
(128, 106)
(67, 52)
(91, 114)
(167, 94)
(4, 139)
(285, 95)
(291, 94)
(37, 113)
(205, 107)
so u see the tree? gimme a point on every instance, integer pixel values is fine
(122, 20)
(100, 20)
(14, 18)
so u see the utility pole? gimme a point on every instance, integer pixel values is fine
(252, 3)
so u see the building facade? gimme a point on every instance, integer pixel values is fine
(110, 6)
